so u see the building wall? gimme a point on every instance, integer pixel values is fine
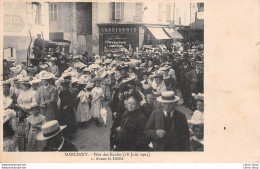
(75, 22)
(18, 21)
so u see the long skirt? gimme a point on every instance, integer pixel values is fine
(83, 113)
(33, 143)
(50, 113)
(20, 142)
(95, 109)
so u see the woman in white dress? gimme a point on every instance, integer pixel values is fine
(97, 99)
(83, 114)
(26, 96)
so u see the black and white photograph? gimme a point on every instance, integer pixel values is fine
(103, 76)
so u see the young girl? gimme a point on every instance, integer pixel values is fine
(198, 114)
(97, 98)
(84, 114)
(20, 130)
(34, 123)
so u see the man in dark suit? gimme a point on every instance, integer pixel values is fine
(195, 79)
(51, 132)
(167, 128)
(185, 90)
(38, 47)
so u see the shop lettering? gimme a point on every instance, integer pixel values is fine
(13, 23)
(119, 30)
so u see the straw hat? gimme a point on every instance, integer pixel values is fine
(53, 58)
(35, 80)
(24, 80)
(96, 79)
(49, 130)
(168, 97)
(90, 85)
(76, 57)
(43, 66)
(74, 80)
(98, 61)
(83, 80)
(126, 80)
(107, 61)
(47, 75)
(7, 82)
(199, 96)
(8, 114)
(16, 69)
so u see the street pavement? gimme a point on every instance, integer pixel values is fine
(98, 138)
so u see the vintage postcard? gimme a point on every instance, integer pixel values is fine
(130, 81)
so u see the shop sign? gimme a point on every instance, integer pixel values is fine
(13, 23)
(118, 30)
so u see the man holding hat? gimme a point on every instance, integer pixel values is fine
(167, 128)
(52, 133)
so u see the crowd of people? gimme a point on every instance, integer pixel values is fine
(44, 105)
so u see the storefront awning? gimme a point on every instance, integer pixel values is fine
(174, 34)
(158, 33)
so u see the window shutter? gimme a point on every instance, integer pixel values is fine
(118, 14)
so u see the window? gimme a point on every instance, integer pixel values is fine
(36, 13)
(118, 10)
(53, 11)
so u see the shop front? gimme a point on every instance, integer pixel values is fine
(113, 37)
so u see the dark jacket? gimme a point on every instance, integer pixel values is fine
(131, 136)
(177, 139)
(67, 146)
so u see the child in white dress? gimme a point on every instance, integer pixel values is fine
(97, 99)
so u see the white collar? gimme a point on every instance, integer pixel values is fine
(165, 113)
(60, 147)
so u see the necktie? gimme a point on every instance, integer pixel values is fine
(146, 82)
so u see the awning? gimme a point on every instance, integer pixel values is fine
(158, 33)
(174, 34)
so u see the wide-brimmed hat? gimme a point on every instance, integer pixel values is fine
(74, 80)
(76, 57)
(53, 58)
(46, 75)
(98, 61)
(96, 79)
(168, 97)
(43, 66)
(90, 85)
(7, 82)
(199, 96)
(83, 80)
(86, 69)
(49, 130)
(128, 79)
(24, 80)
(107, 61)
(165, 68)
(8, 114)
(35, 80)
(16, 69)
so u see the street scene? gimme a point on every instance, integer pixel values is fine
(103, 76)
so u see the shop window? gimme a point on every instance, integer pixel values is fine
(53, 11)
(118, 10)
